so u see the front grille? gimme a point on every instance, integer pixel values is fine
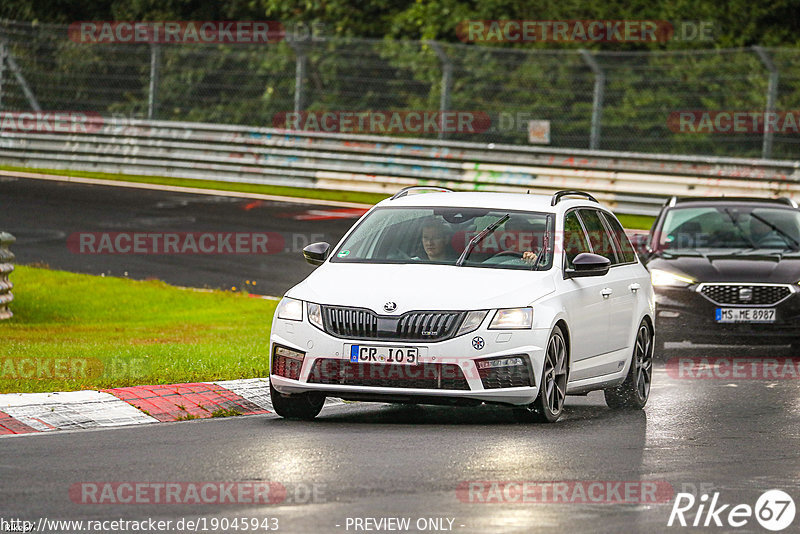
(512, 376)
(423, 376)
(737, 294)
(360, 323)
(350, 322)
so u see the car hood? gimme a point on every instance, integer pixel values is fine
(422, 287)
(768, 266)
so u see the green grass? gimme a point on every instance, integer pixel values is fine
(225, 412)
(76, 331)
(636, 222)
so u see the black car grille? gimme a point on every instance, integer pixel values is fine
(422, 376)
(513, 376)
(360, 323)
(761, 295)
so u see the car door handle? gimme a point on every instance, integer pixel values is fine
(606, 292)
(634, 287)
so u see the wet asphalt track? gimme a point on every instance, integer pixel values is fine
(384, 461)
(42, 215)
(737, 437)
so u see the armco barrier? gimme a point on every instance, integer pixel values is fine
(628, 182)
(6, 267)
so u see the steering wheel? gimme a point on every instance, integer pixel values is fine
(513, 253)
(772, 240)
(398, 254)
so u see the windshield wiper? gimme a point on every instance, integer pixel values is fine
(786, 237)
(479, 237)
(739, 228)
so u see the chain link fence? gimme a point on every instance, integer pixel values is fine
(621, 101)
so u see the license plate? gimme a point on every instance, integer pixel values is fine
(745, 315)
(383, 354)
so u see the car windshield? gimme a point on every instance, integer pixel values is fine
(442, 235)
(730, 227)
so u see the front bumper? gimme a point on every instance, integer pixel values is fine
(447, 372)
(683, 314)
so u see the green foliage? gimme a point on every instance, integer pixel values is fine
(397, 68)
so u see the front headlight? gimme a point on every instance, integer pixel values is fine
(512, 318)
(667, 279)
(315, 315)
(471, 322)
(291, 309)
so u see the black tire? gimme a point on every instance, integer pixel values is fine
(659, 349)
(549, 404)
(304, 406)
(633, 393)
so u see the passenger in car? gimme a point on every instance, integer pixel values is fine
(526, 235)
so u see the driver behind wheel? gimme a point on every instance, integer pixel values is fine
(436, 241)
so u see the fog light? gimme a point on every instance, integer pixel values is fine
(287, 362)
(669, 314)
(499, 362)
(505, 372)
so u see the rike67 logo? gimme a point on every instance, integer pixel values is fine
(774, 510)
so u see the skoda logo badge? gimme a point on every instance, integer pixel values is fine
(477, 343)
(390, 306)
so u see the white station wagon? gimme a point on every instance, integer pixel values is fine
(466, 298)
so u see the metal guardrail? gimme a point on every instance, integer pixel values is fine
(633, 183)
(6, 267)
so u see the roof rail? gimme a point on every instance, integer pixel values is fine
(560, 194)
(671, 201)
(403, 192)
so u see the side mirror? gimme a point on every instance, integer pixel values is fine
(639, 242)
(587, 264)
(316, 253)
